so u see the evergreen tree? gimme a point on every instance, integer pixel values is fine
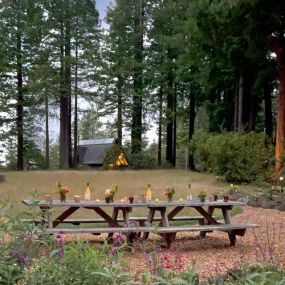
(20, 29)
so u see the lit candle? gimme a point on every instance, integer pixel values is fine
(47, 198)
(76, 198)
(181, 199)
(122, 200)
(97, 200)
(156, 200)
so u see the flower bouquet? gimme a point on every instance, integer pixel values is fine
(202, 196)
(62, 190)
(110, 193)
(169, 192)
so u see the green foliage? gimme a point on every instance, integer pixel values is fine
(262, 274)
(76, 265)
(142, 160)
(239, 157)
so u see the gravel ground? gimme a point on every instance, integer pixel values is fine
(213, 254)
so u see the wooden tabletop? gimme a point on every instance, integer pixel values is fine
(155, 204)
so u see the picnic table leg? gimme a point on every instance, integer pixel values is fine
(231, 234)
(114, 217)
(169, 238)
(205, 221)
(149, 221)
(64, 215)
(126, 216)
(164, 218)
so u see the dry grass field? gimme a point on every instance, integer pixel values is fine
(20, 185)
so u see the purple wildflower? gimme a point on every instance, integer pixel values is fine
(119, 239)
(59, 242)
(23, 259)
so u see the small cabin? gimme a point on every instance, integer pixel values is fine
(99, 152)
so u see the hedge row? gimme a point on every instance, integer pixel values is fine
(239, 157)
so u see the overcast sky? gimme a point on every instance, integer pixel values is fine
(102, 7)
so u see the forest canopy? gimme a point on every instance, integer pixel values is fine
(175, 67)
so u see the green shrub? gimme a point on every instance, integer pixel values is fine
(75, 263)
(142, 160)
(239, 157)
(10, 269)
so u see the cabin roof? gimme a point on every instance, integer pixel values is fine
(93, 151)
(97, 141)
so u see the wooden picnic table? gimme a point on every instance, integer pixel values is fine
(168, 211)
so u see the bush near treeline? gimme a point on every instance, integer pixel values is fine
(239, 157)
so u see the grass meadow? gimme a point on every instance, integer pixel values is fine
(20, 185)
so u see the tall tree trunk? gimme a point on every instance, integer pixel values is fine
(192, 115)
(236, 108)
(75, 124)
(119, 110)
(160, 98)
(47, 131)
(280, 124)
(174, 125)
(19, 121)
(64, 112)
(252, 113)
(136, 131)
(67, 78)
(268, 124)
(169, 117)
(240, 103)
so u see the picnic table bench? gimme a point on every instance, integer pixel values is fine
(140, 220)
(168, 212)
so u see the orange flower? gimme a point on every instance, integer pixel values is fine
(65, 190)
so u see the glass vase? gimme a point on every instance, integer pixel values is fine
(62, 197)
(169, 199)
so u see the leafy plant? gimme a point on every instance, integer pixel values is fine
(239, 157)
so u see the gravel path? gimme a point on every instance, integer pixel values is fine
(213, 255)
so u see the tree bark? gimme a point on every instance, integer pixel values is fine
(268, 124)
(169, 117)
(64, 112)
(47, 132)
(136, 130)
(119, 110)
(240, 103)
(159, 125)
(67, 78)
(280, 124)
(75, 124)
(19, 120)
(236, 108)
(252, 113)
(174, 125)
(192, 115)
